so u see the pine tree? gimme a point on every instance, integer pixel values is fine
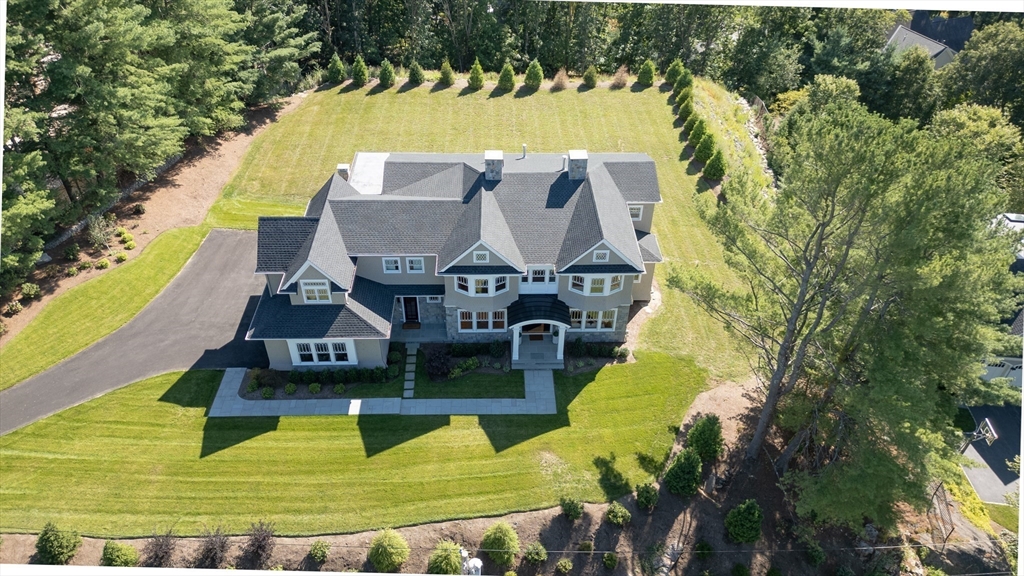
(476, 75)
(673, 72)
(647, 73)
(447, 74)
(415, 73)
(534, 75)
(706, 149)
(686, 94)
(336, 70)
(590, 77)
(387, 74)
(360, 74)
(274, 32)
(685, 80)
(690, 122)
(700, 128)
(507, 79)
(715, 168)
(686, 109)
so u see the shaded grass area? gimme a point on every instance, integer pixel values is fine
(1005, 516)
(145, 458)
(292, 159)
(389, 389)
(473, 385)
(90, 311)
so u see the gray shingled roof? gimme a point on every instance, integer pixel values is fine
(649, 248)
(904, 39)
(280, 241)
(367, 315)
(538, 307)
(1017, 328)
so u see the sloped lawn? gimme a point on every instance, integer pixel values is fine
(144, 458)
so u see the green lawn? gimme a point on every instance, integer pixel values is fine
(474, 385)
(292, 158)
(144, 458)
(1005, 516)
(90, 311)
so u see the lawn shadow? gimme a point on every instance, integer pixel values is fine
(653, 465)
(347, 87)
(377, 89)
(407, 86)
(193, 389)
(505, 432)
(438, 86)
(610, 479)
(524, 91)
(665, 87)
(222, 433)
(685, 154)
(467, 91)
(678, 122)
(694, 167)
(497, 93)
(583, 88)
(383, 432)
(637, 87)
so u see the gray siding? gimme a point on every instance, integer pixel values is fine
(273, 282)
(370, 353)
(646, 219)
(277, 352)
(588, 258)
(642, 289)
(372, 268)
(493, 259)
(480, 303)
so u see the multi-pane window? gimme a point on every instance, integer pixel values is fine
(392, 266)
(434, 299)
(324, 352)
(591, 323)
(636, 277)
(636, 212)
(592, 319)
(481, 257)
(608, 320)
(498, 320)
(414, 265)
(500, 284)
(462, 284)
(575, 318)
(305, 352)
(601, 255)
(597, 285)
(577, 283)
(538, 276)
(481, 321)
(616, 284)
(481, 286)
(340, 352)
(315, 291)
(465, 320)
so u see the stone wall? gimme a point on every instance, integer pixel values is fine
(430, 312)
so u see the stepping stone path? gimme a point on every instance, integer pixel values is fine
(410, 369)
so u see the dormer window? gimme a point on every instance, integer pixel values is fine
(392, 266)
(600, 255)
(636, 212)
(482, 285)
(315, 291)
(414, 265)
(600, 285)
(481, 257)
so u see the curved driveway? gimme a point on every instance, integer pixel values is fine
(198, 321)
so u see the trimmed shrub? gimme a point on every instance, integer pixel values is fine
(561, 80)
(319, 551)
(535, 553)
(563, 566)
(120, 257)
(646, 496)
(336, 70)
(416, 76)
(394, 357)
(590, 77)
(572, 508)
(610, 560)
(684, 95)
(118, 554)
(740, 570)
(73, 252)
(445, 559)
(360, 73)
(685, 80)
(744, 522)
(213, 549)
(84, 265)
(622, 353)
(71, 272)
(393, 371)
(447, 74)
(387, 74)
(314, 388)
(686, 109)
(534, 75)
(253, 385)
(690, 122)
(102, 264)
(52, 271)
(476, 76)
(815, 555)
(683, 477)
(715, 168)
(259, 546)
(705, 437)
(30, 290)
(3, 328)
(13, 307)
(126, 238)
(507, 78)
(586, 546)
(647, 73)
(388, 550)
(497, 349)
(673, 71)
(290, 388)
(698, 132)
(139, 209)
(617, 514)
(56, 547)
(120, 231)
(706, 148)
(129, 245)
(268, 392)
(703, 550)
(501, 543)
(621, 77)
(159, 550)
(339, 389)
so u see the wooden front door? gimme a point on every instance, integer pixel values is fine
(412, 309)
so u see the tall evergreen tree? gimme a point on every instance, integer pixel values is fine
(987, 71)
(275, 29)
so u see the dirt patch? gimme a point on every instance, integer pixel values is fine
(180, 197)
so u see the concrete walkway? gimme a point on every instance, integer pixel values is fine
(540, 399)
(410, 369)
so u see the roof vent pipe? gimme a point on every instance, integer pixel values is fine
(524, 151)
(565, 160)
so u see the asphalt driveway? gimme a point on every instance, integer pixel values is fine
(198, 321)
(993, 478)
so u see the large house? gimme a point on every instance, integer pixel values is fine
(535, 249)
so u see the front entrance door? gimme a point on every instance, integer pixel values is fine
(536, 331)
(412, 309)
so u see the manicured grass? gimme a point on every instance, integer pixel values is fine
(389, 389)
(291, 160)
(90, 311)
(474, 385)
(1005, 516)
(144, 458)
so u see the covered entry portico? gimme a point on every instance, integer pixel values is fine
(538, 323)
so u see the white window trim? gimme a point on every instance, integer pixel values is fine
(600, 315)
(484, 253)
(408, 265)
(350, 348)
(588, 278)
(315, 284)
(490, 321)
(492, 282)
(605, 256)
(396, 261)
(433, 299)
(639, 216)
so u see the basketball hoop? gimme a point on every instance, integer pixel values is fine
(985, 432)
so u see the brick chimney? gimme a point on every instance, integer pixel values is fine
(577, 164)
(494, 160)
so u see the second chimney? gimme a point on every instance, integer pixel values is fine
(343, 170)
(577, 164)
(494, 160)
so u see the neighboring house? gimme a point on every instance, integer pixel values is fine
(953, 32)
(1010, 366)
(903, 38)
(459, 248)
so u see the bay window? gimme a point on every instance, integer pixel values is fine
(596, 285)
(482, 285)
